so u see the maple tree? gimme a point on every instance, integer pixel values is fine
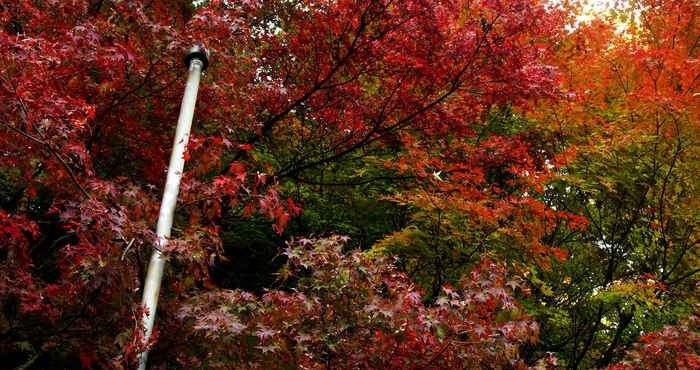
(350, 310)
(673, 347)
(631, 113)
(475, 150)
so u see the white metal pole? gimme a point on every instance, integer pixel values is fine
(196, 60)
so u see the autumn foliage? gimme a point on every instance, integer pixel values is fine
(515, 186)
(673, 347)
(348, 310)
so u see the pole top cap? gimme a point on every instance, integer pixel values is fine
(197, 52)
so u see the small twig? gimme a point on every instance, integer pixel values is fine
(30, 361)
(23, 111)
(54, 153)
(435, 356)
(128, 246)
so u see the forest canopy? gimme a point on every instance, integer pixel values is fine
(369, 184)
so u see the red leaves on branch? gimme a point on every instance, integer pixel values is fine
(91, 91)
(350, 310)
(673, 347)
